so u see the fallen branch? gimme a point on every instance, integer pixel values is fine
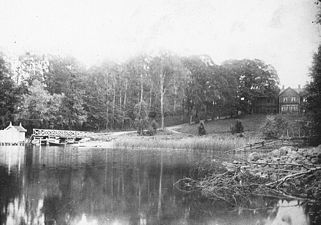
(291, 176)
(188, 183)
(274, 164)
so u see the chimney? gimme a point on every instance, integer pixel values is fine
(299, 86)
(20, 124)
(10, 124)
(282, 87)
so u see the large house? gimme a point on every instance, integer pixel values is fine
(292, 100)
(289, 100)
(266, 105)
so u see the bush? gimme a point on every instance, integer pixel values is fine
(274, 126)
(237, 128)
(201, 128)
(154, 126)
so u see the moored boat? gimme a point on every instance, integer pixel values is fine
(56, 143)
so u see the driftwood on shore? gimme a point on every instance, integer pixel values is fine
(236, 186)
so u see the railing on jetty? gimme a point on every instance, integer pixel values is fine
(60, 133)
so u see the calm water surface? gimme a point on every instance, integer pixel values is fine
(78, 186)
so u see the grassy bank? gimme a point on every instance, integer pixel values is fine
(251, 123)
(221, 142)
(185, 136)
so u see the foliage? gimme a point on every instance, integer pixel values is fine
(237, 128)
(314, 96)
(201, 129)
(8, 94)
(164, 69)
(274, 126)
(31, 67)
(112, 96)
(141, 117)
(209, 87)
(318, 16)
(40, 108)
(255, 79)
(154, 126)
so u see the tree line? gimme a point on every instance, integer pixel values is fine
(314, 88)
(48, 91)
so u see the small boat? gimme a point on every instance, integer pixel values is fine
(71, 141)
(56, 143)
(36, 142)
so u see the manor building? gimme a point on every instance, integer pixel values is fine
(289, 100)
(292, 100)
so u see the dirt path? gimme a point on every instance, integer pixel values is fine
(172, 129)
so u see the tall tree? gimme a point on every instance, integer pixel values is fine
(139, 67)
(8, 94)
(66, 76)
(314, 96)
(255, 79)
(197, 85)
(163, 69)
(96, 98)
(39, 108)
(31, 67)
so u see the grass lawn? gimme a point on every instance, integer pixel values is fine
(251, 124)
(185, 136)
(168, 140)
(218, 136)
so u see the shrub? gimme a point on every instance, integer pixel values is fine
(237, 128)
(201, 129)
(154, 126)
(274, 126)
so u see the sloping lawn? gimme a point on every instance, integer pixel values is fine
(251, 123)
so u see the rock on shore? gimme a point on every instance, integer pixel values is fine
(288, 155)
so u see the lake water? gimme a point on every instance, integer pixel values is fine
(79, 186)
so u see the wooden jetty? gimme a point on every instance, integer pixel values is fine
(56, 137)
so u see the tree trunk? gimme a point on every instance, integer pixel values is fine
(120, 105)
(162, 92)
(150, 99)
(107, 120)
(175, 94)
(141, 93)
(114, 101)
(124, 102)
(206, 109)
(125, 94)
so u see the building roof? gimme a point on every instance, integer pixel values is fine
(300, 91)
(19, 128)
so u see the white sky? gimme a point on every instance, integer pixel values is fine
(280, 32)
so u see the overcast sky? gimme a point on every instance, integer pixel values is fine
(280, 32)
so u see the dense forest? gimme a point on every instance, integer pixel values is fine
(47, 91)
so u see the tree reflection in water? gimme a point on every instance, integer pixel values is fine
(97, 186)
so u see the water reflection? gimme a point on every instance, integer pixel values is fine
(75, 186)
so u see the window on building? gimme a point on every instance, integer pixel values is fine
(290, 108)
(293, 99)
